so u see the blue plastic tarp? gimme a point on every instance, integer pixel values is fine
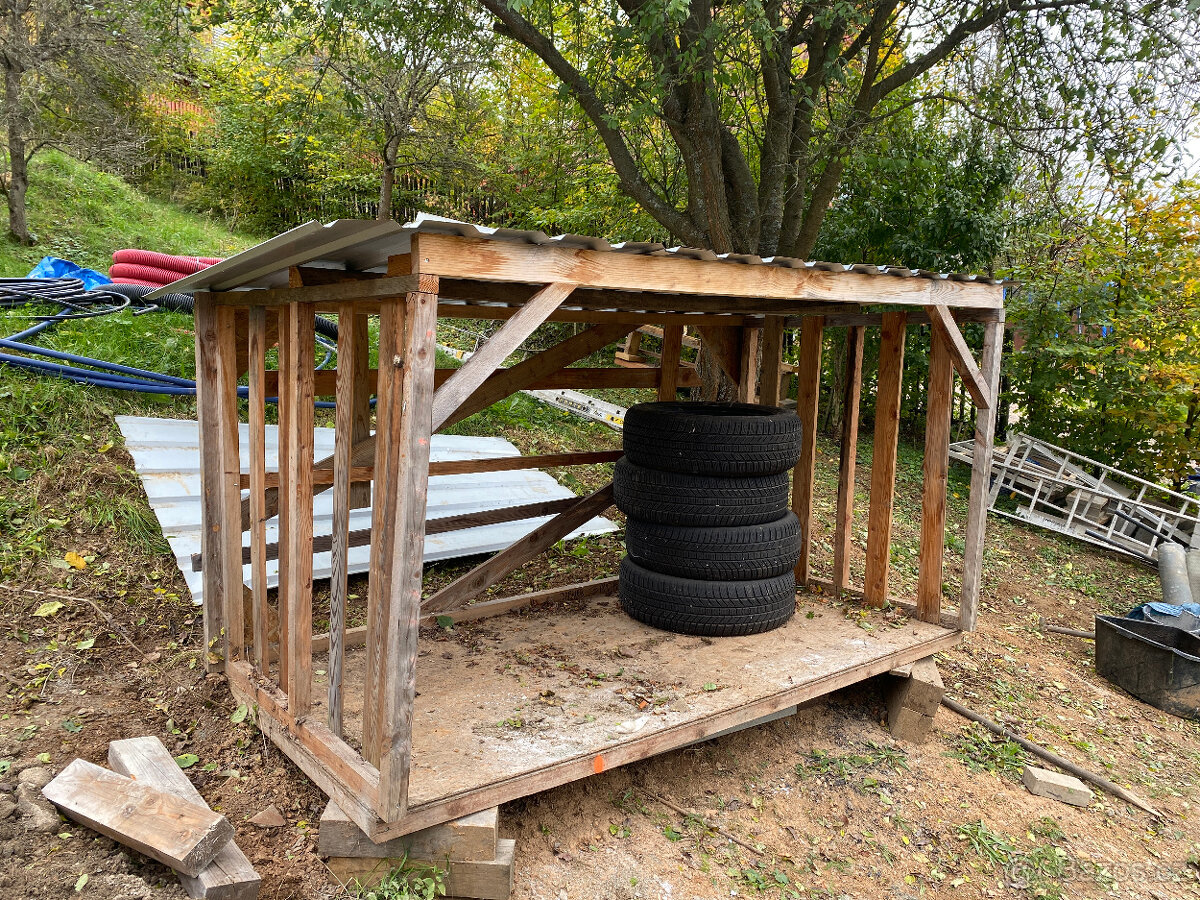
(1185, 616)
(53, 267)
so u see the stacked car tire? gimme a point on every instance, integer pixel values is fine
(711, 542)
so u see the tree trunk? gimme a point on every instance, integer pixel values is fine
(18, 165)
(387, 183)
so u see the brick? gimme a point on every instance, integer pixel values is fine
(1055, 785)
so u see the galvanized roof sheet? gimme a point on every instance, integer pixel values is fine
(166, 454)
(364, 245)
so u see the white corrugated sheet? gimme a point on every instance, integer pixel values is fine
(364, 245)
(166, 454)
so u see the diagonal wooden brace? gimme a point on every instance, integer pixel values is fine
(946, 329)
(456, 594)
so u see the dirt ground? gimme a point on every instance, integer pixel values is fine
(824, 803)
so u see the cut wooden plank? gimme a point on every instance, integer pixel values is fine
(883, 460)
(844, 519)
(938, 410)
(770, 386)
(523, 374)
(183, 835)
(981, 471)
(807, 391)
(462, 589)
(944, 327)
(480, 879)
(672, 346)
(230, 876)
(472, 837)
(487, 260)
(487, 359)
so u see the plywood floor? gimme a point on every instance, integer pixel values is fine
(518, 703)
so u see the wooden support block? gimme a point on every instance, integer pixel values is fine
(470, 838)
(177, 833)
(921, 690)
(477, 879)
(909, 725)
(230, 876)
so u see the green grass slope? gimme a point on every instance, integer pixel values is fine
(83, 215)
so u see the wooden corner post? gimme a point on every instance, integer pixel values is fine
(404, 425)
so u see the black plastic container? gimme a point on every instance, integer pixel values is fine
(1159, 664)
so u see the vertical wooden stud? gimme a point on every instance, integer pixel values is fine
(284, 405)
(981, 473)
(208, 413)
(812, 334)
(849, 451)
(360, 398)
(349, 354)
(883, 464)
(772, 361)
(748, 366)
(257, 363)
(392, 641)
(935, 471)
(668, 375)
(300, 458)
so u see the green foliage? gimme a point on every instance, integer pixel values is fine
(980, 752)
(408, 881)
(1108, 319)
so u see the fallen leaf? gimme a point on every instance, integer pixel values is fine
(81, 883)
(47, 609)
(239, 714)
(74, 560)
(187, 760)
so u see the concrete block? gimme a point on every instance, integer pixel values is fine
(909, 725)
(1055, 785)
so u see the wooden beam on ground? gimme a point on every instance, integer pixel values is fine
(183, 835)
(460, 591)
(519, 377)
(883, 461)
(488, 260)
(939, 408)
(849, 451)
(770, 386)
(230, 876)
(668, 373)
(460, 386)
(981, 473)
(944, 327)
(812, 336)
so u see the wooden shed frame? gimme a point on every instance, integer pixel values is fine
(740, 312)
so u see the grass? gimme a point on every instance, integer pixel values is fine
(84, 215)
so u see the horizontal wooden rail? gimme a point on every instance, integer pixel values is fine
(467, 466)
(325, 380)
(362, 537)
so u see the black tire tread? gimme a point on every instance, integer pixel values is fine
(731, 553)
(673, 498)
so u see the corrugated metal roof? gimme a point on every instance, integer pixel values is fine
(365, 245)
(166, 454)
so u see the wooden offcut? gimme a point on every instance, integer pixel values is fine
(230, 876)
(178, 833)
